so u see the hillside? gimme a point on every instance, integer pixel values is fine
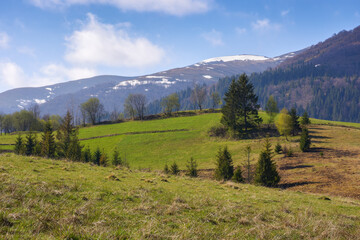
(332, 164)
(323, 79)
(49, 199)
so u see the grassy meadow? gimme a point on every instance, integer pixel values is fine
(55, 199)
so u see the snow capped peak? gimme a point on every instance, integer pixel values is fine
(244, 57)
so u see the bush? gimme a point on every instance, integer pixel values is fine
(278, 148)
(174, 169)
(238, 175)
(288, 152)
(103, 159)
(218, 131)
(224, 165)
(192, 168)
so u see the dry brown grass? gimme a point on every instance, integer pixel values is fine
(332, 166)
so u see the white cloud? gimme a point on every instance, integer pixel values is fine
(285, 12)
(240, 31)
(110, 45)
(4, 40)
(172, 7)
(13, 76)
(265, 25)
(213, 37)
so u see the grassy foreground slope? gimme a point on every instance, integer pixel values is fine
(50, 199)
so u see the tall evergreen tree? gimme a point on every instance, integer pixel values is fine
(30, 144)
(240, 112)
(48, 144)
(224, 165)
(69, 144)
(266, 173)
(229, 110)
(305, 140)
(295, 125)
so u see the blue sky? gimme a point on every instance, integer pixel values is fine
(48, 41)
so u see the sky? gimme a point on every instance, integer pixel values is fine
(43, 42)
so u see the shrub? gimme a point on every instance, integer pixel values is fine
(192, 168)
(174, 169)
(218, 131)
(103, 159)
(266, 173)
(238, 175)
(224, 165)
(278, 148)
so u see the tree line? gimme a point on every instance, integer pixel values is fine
(65, 144)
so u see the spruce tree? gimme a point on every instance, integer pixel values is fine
(19, 146)
(295, 125)
(266, 173)
(48, 144)
(230, 109)
(30, 144)
(97, 156)
(305, 140)
(224, 165)
(69, 144)
(240, 112)
(305, 119)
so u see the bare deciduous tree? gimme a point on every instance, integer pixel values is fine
(93, 110)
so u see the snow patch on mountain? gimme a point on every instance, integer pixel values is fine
(207, 76)
(40, 101)
(236, 58)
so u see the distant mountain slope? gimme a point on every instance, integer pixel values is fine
(323, 79)
(340, 53)
(113, 90)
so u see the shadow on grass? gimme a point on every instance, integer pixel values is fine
(295, 184)
(295, 167)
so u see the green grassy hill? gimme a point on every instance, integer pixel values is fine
(53, 199)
